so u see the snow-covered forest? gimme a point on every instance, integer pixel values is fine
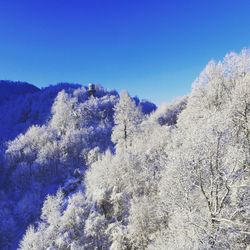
(103, 170)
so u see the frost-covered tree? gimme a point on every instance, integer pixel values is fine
(62, 226)
(127, 117)
(64, 113)
(207, 164)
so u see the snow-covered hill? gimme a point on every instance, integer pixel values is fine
(176, 179)
(51, 133)
(108, 171)
(10, 90)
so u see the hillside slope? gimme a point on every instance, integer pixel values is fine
(10, 90)
(46, 136)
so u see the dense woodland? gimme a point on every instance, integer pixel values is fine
(112, 172)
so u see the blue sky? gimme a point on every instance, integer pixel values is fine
(152, 48)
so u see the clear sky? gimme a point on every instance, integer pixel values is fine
(152, 48)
